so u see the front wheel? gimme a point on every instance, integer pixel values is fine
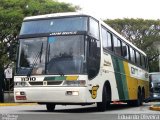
(50, 107)
(102, 106)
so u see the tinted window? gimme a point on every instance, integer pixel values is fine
(32, 54)
(65, 55)
(146, 62)
(138, 58)
(106, 37)
(117, 45)
(54, 25)
(125, 51)
(93, 57)
(94, 29)
(143, 61)
(132, 54)
(109, 41)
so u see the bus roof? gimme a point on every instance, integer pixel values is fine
(65, 14)
(53, 15)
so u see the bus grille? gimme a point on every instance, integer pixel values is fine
(41, 83)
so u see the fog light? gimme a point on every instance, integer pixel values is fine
(74, 93)
(69, 93)
(22, 93)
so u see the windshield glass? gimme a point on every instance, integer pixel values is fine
(32, 56)
(54, 25)
(66, 55)
(155, 78)
(53, 55)
(155, 83)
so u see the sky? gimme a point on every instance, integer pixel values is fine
(113, 9)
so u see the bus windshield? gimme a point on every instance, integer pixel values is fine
(52, 55)
(51, 25)
(155, 83)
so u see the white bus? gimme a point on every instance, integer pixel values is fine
(74, 58)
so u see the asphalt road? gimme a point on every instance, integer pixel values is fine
(115, 112)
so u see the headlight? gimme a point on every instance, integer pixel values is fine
(78, 83)
(20, 84)
(155, 95)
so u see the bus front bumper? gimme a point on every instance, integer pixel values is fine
(51, 94)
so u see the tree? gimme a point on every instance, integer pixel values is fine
(142, 33)
(12, 13)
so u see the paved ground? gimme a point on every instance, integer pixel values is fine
(116, 112)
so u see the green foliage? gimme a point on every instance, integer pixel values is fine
(142, 33)
(12, 13)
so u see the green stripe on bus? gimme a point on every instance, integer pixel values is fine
(120, 78)
(124, 80)
(55, 78)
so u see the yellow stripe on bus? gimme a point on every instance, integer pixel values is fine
(71, 77)
(131, 83)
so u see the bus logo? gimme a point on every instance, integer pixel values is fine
(94, 91)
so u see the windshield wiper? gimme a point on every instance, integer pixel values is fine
(59, 71)
(53, 61)
(38, 56)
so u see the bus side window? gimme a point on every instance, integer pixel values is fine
(109, 46)
(93, 57)
(125, 51)
(94, 28)
(138, 58)
(107, 39)
(132, 54)
(117, 46)
(146, 63)
(143, 61)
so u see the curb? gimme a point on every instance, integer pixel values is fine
(154, 107)
(17, 104)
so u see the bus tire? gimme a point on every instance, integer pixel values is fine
(50, 107)
(138, 102)
(143, 95)
(106, 96)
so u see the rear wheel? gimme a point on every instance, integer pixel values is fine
(143, 95)
(106, 98)
(137, 102)
(50, 107)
